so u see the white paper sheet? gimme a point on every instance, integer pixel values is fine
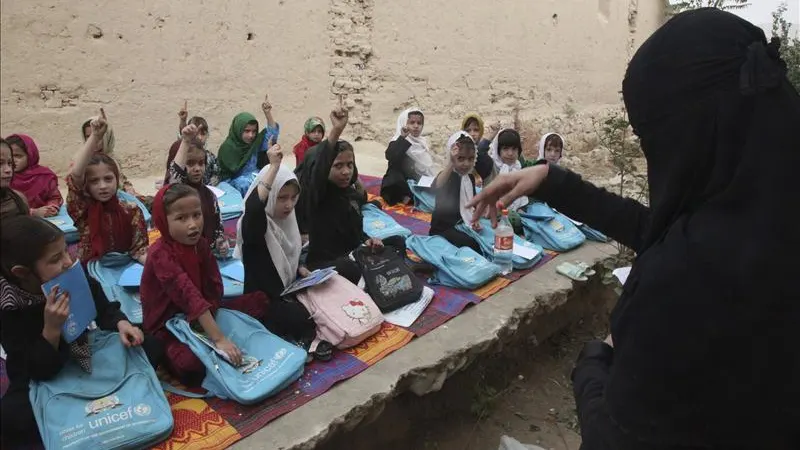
(425, 181)
(622, 274)
(525, 252)
(408, 314)
(217, 191)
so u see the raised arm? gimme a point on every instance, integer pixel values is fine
(99, 127)
(445, 174)
(266, 107)
(326, 153)
(183, 116)
(188, 133)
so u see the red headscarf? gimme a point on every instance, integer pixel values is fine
(196, 260)
(121, 233)
(35, 181)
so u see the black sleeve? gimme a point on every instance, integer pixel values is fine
(27, 349)
(260, 272)
(622, 219)
(261, 160)
(108, 313)
(321, 169)
(396, 151)
(254, 221)
(484, 163)
(591, 371)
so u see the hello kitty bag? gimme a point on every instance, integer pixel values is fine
(345, 315)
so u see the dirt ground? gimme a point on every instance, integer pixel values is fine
(537, 407)
(525, 394)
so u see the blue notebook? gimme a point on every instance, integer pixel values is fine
(81, 303)
(131, 276)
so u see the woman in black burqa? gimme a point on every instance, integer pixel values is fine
(706, 335)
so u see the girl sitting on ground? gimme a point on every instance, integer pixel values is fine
(34, 252)
(37, 183)
(270, 246)
(408, 156)
(211, 173)
(104, 222)
(334, 201)
(455, 187)
(106, 146)
(244, 151)
(472, 124)
(313, 132)
(505, 151)
(189, 167)
(181, 276)
(551, 148)
(12, 203)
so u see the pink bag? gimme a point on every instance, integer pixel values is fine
(345, 315)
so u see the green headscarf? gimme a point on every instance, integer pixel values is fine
(313, 122)
(234, 152)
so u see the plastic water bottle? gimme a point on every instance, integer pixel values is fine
(504, 244)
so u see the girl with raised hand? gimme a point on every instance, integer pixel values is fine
(244, 150)
(189, 167)
(104, 222)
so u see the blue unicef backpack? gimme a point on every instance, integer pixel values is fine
(550, 229)
(107, 271)
(485, 238)
(424, 198)
(592, 234)
(378, 224)
(271, 363)
(461, 268)
(120, 405)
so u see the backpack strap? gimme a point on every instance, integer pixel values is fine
(170, 388)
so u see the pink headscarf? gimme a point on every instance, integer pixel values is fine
(36, 181)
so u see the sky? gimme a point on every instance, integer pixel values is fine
(760, 11)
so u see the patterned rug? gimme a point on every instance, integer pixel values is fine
(211, 424)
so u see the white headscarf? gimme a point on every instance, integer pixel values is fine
(544, 138)
(419, 152)
(494, 152)
(502, 167)
(283, 235)
(465, 192)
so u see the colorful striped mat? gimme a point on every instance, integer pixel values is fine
(211, 424)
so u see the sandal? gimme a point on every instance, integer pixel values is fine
(323, 352)
(587, 270)
(571, 271)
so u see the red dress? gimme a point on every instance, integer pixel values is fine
(184, 279)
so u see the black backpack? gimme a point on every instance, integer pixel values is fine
(390, 282)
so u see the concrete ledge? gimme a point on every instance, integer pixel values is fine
(426, 363)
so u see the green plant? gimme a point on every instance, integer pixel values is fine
(790, 46)
(674, 7)
(615, 135)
